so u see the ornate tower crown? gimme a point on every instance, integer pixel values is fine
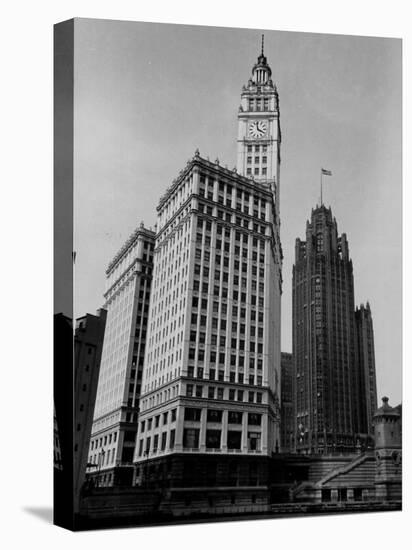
(261, 71)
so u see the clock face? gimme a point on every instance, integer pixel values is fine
(257, 129)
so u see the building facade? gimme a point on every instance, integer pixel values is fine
(127, 296)
(212, 369)
(367, 371)
(287, 422)
(88, 344)
(326, 374)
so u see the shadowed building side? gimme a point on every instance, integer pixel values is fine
(367, 371)
(88, 343)
(287, 423)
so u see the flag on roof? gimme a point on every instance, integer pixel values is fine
(326, 172)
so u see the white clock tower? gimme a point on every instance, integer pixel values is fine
(258, 151)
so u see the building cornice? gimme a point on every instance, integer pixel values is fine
(215, 167)
(140, 231)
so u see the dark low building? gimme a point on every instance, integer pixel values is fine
(88, 344)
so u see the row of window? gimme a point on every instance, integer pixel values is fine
(258, 104)
(102, 441)
(219, 393)
(209, 210)
(214, 439)
(163, 441)
(221, 356)
(227, 189)
(228, 217)
(232, 376)
(103, 458)
(157, 420)
(257, 171)
(257, 148)
(200, 337)
(223, 324)
(200, 371)
(262, 159)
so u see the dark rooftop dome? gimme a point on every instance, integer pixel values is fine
(386, 409)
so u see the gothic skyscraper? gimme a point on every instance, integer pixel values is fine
(326, 369)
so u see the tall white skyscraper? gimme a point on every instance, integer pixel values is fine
(212, 366)
(127, 296)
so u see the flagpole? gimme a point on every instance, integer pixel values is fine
(321, 197)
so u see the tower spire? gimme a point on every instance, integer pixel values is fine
(263, 42)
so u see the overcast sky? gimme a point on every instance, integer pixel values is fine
(147, 95)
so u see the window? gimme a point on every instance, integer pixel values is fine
(254, 419)
(199, 391)
(192, 414)
(191, 438)
(234, 439)
(253, 441)
(235, 417)
(211, 392)
(164, 437)
(189, 390)
(214, 416)
(213, 439)
(172, 439)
